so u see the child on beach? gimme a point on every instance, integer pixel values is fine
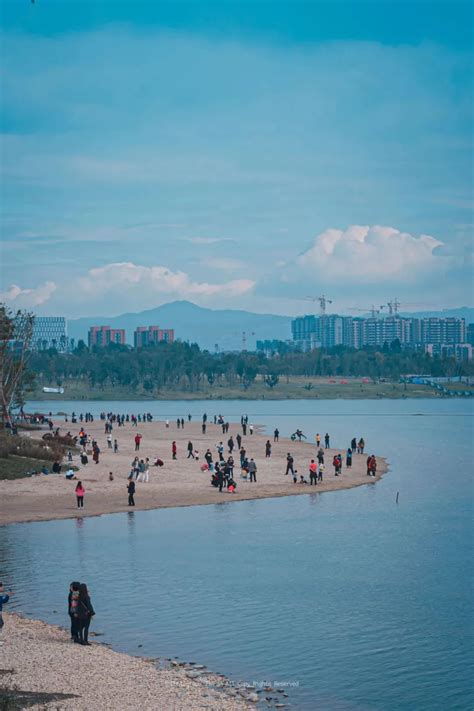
(80, 491)
(4, 598)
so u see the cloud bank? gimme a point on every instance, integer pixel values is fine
(372, 254)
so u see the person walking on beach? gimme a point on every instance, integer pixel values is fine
(220, 451)
(72, 602)
(85, 613)
(131, 492)
(138, 439)
(320, 456)
(174, 450)
(313, 473)
(230, 444)
(244, 428)
(289, 465)
(349, 458)
(276, 435)
(203, 428)
(190, 450)
(80, 491)
(326, 440)
(268, 449)
(318, 440)
(320, 472)
(353, 444)
(115, 446)
(239, 440)
(4, 598)
(252, 470)
(251, 429)
(95, 453)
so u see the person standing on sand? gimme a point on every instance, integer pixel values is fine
(138, 439)
(109, 441)
(252, 470)
(326, 440)
(244, 428)
(318, 440)
(289, 464)
(178, 423)
(203, 428)
(189, 418)
(320, 472)
(95, 453)
(190, 450)
(174, 450)
(230, 444)
(115, 446)
(353, 444)
(131, 493)
(276, 435)
(361, 446)
(268, 449)
(80, 491)
(4, 598)
(72, 600)
(85, 613)
(313, 473)
(349, 458)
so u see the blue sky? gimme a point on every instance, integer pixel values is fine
(235, 154)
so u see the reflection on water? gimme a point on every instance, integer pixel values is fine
(352, 601)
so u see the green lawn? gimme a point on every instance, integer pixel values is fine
(19, 467)
(295, 388)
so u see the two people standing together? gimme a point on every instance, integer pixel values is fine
(80, 611)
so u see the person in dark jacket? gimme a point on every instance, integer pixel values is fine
(131, 493)
(85, 613)
(72, 602)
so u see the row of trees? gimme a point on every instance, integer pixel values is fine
(185, 366)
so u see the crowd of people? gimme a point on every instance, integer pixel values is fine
(230, 455)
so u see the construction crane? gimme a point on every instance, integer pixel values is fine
(244, 339)
(394, 305)
(322, 302)
(374, 311)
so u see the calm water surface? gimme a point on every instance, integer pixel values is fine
(352, 601)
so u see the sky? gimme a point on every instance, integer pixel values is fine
(238, 155)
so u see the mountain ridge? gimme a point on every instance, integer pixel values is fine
(222, 327)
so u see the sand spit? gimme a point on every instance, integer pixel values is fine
(39, 661)
(177, 483)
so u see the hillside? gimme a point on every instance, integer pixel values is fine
(196, 324)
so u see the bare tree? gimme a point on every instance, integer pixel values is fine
(16, 331)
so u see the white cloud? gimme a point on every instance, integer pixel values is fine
(372, 255)
(26, 298)
(223, 263)
(206, 240)
(127, 278)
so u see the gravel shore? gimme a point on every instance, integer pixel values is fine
(179, 482)
(40, 664)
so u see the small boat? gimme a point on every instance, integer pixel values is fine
(56, 391)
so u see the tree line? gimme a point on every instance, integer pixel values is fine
(185, 366)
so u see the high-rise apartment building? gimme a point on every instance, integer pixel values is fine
(148, 335)
(332, 330)
(104, 335)
(49, 332)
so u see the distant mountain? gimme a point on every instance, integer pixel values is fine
(223, 327)
(195, 324)
(463, 312)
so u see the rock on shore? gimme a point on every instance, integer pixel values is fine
(37, 657)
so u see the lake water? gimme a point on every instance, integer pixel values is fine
(348, 599)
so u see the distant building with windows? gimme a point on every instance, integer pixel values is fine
(49, 332)
(328, 331)
(149, 335)
(104, 335)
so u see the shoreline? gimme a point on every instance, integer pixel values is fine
(100, 677)
(179, 483)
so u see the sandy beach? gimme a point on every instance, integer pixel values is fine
(177, 483)
(46, 671)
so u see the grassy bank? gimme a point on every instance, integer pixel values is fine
(293, 388)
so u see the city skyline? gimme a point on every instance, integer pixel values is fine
(236, 159)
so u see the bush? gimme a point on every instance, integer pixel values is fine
(31, 448)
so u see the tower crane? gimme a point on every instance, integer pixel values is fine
(323, 301)
(394, 305)
(374, 311)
